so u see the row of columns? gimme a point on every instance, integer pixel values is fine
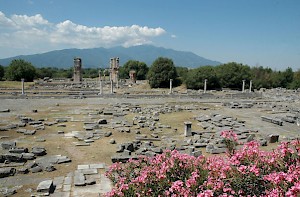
(205, 86)
(101, 87)
(250, 86)
(171, 86)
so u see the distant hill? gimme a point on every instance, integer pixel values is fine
(100, 57)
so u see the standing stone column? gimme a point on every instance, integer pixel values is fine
(111, 86)
(250, 86)
(187, 129)
(171, 86)
(101, 87)
(117, 80)
(243, 87)
(22, 82)
(205, 85)
(85, 83)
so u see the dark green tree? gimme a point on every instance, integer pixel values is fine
(45, 72)
(232, 74)
(160, 73)
(262, 77)
(296, 80)
(182, 73)
(19, 69)
(140, 68)
(1, 72)
(90, 72)
(288, 76)
(195, 78)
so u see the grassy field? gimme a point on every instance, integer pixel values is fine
(14, 84)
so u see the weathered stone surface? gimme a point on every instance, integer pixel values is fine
(60, 132)
(79, 179)
(60, 120)
(18, 150)
(49, 123)
(36, 169)
(122, 158)
(272, 120)
(5, 172)
(4, 110)
(8, 145)
(107, 134)
(63, 159)
(49, 168)
(102, 121)
(128, 146)
(90, 181)
(112, 141)
(35, 122)
(28, 156)
(13, 157)
(8, 191)
(250, 137)
(21, 130)
(157, 150)
(120, 148)
(82, 144)
(22, 170)
(45, 187)
(273, 138)
(38, 151)
(29, 132)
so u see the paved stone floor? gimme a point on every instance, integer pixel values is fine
(65, 185)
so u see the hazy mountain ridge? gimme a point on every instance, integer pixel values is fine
(100, 57)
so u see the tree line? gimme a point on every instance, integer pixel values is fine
(229, 75)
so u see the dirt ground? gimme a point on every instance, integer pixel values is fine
(101, 150)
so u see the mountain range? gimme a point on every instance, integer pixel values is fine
(100, 57)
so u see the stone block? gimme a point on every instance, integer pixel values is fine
(79, 179)
(5, 172)
(273, 138)
(102, 121)
(8, 145)
(45, 187)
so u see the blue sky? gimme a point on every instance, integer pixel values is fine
(253, 32)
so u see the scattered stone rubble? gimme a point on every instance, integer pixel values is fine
(104, 122)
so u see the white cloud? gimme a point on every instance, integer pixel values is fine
(173, 36)
(35, 34)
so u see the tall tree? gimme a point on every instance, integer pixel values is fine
(195, 78)
(140, 68)
(262, 77)
(232, 74)
(1, 72)
(182, 73)
(296, 80)
(19, 69)
(160, 73)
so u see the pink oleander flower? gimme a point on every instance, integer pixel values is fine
(206, 193)
(229, 135)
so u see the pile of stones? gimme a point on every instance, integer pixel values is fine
(19, 160)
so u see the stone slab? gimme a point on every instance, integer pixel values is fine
(45, 186)
(81, 167)
(66, 188)
(88, 171)
(98, 166)
(68, 180)
(79, 179)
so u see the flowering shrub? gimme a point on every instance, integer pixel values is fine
(230, 140)
(248, 171)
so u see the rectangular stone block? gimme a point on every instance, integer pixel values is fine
(45, 186)
(79, 179)
(97, 166)
(80, 167)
